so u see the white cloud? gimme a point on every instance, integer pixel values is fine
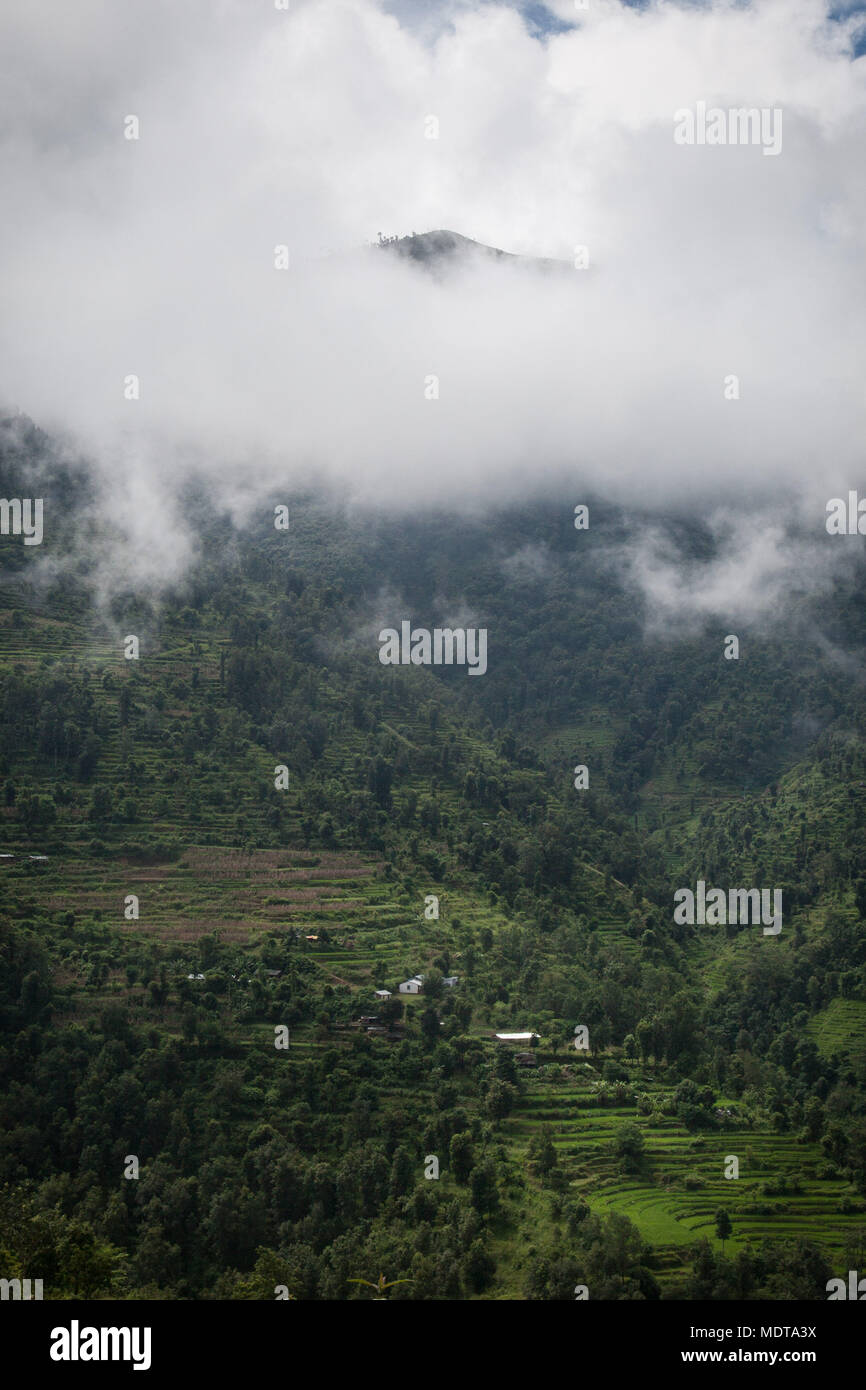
(260, 127)
(757, 571)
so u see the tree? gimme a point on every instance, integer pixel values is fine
(401, 1172)
(542, 1154)
(813, 1119)
(485, 1196)
(630, 1148)
(430, 1025)
(478, 1267)
(189, 1022)
(723, 1226)
(391, 1010)
(100, 803)
(380, 774)
(504, 1064)
(645, 1036)
(462, 1156)
(500, 1099)
(433, 987)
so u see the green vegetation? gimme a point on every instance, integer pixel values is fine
(152, 1035)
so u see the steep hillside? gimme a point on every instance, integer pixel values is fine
(254, 824)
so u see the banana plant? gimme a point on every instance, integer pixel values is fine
(381, 1286)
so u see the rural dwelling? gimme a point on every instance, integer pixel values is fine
(450, 980)
(526, 1059)
(516, 1037)
(383, 994)
(412, 986)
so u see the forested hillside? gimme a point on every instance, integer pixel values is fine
(170, 900)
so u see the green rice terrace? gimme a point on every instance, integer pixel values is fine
(354, 931)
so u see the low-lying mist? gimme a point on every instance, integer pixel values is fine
(200, 304)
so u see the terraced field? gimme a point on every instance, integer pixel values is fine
(374, 928)
(841, 1028)
(681, 1185)
(369, 929)
(186, 830)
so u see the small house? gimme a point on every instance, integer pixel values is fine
(383, 994)
(450, 980)
(413, 986)
(516, 1037)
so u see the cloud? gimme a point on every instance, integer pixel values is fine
(260, 127)
(757, 569)
(530, 563)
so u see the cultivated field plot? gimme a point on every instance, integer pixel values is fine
(680, 1185)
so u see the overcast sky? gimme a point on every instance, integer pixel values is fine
(260, 127)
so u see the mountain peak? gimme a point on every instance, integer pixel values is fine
(443, 247)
